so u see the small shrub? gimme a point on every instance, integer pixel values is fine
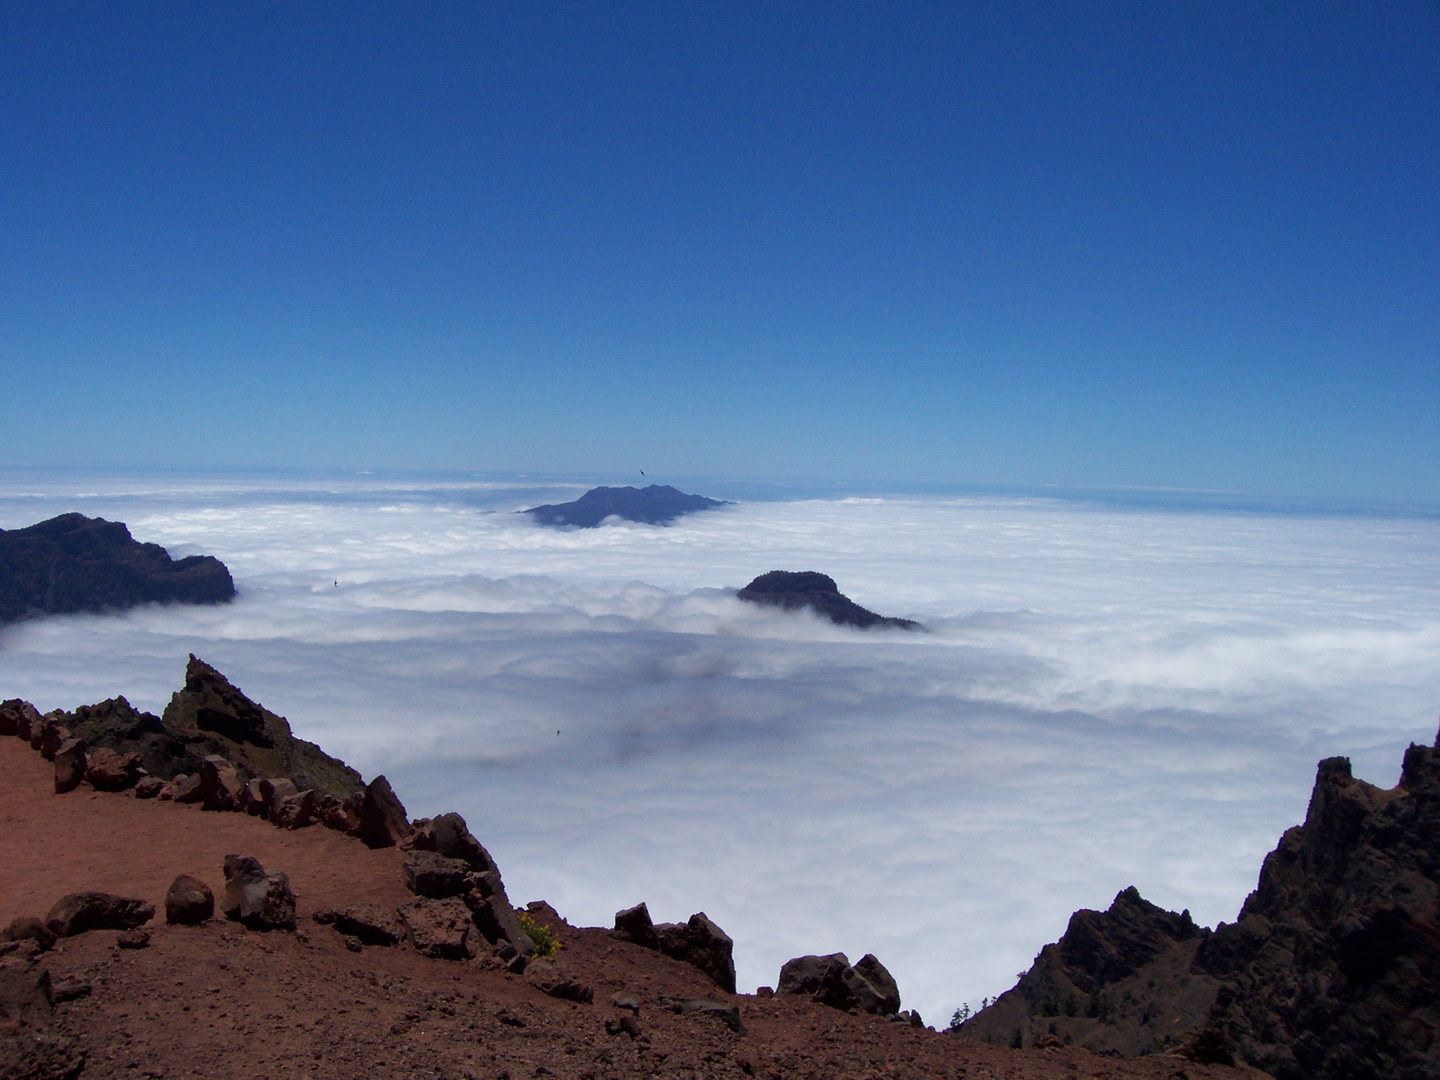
(546, 943)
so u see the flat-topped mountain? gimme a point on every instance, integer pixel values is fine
(658, 504)
(1331, 970)
(791, 591)
(74, 563)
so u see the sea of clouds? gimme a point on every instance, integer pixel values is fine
(1105, 695)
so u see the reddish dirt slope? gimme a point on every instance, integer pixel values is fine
(220, 1001)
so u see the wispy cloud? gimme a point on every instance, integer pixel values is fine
(1105, 696)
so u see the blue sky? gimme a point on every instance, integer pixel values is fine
(1084, 245)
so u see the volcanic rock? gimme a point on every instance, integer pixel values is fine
(1332, 969)
(439, 929)
(428, 873)
(52, 734)
(295, 811)
(148, 787)
(258, 898)
(727, 1014)
(448, 835)
(831, 980)
(107, 770)
(70, 765)
(654, 505)
(79, 913)
(189, 902)
(792, 591)
(29, 928)
(702, 944)
(634, 925)
(134, 939)
(73, 563)
(30, 1048)
(188, 789)
(382, 817)
(219, 784)
(553, 978)
(370, 923)
(22, 714)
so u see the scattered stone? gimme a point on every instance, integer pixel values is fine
(703, 945)
(70, 990)
(255, 897)
(370, 923)
(134, 939)
(625, 1025)
(81, 912)
(382, 817)
(550, 977)
(295, 811)
(29, 928)
(428, 873)
(219, 784)
(439, 929)
(189, 902)
(69, 765)
(149, 787)
(108, 770)
(634, 925)
(626, 1001)
(728, 1014)
(909, 1016)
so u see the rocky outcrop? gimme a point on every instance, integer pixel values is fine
(82, 912)
(1332, 969)
(189, 902)
(654, 505)
(792, 591)
(831, 980)
(428, 873)
(258, 898)
(702, 944)
(634, 925)
(72, 563)
(382, 820)
(440, 929)
(369, 924)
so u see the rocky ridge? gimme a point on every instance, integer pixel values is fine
(73, 563)
(1330, 971)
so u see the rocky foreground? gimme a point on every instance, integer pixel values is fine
(72, 563)
(1330, 972)
(218, 923)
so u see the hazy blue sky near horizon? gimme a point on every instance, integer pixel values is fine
(1012, 244)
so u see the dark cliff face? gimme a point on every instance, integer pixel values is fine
(654, 505)
(1331, 971)
(791, 591)
(73, 563)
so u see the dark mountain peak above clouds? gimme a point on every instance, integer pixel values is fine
(791, 590)
(1332, 969)
(658, 504)
(74, 563)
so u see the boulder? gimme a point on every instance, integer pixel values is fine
(189, 902)
(634, 925)
(495, 918)
(81, 912)
(428, 873)
(29, 928)
(54, 732)
(276, 791)
(108, 770)
(873, 986)
(727, 1014)
(370, 923)
(220, 784)
(26, 716)
(439, 929)
(148, 787)
(9, 721)
(70, 763)
(255, 897)
(382, 817)
(448, 835)
(831, 980)
(331, 812)
(702, 944)
(296, 811)
(187, 789)
(253, 799)
(808, 975)
(553, 978)
(30, 1048)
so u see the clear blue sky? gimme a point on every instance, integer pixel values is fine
(1080, 244)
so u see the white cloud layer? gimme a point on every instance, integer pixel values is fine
(1106, 697)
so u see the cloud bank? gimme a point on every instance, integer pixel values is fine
(1105, 696)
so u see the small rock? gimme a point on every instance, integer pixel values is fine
(1048, 1041)
(69, 765)
(625, 1025)
(29, 928)
(79, 913)
(134, 939)
(551, 977)
(258, 898)
(727, 1014)
(148, 787)
(189, 902)
(626, 1001)
(69, 990)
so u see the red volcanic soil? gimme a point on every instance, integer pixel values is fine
(219, 1000)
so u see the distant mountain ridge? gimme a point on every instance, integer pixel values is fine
(658, 504)
(793, 590)
(73, 563)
